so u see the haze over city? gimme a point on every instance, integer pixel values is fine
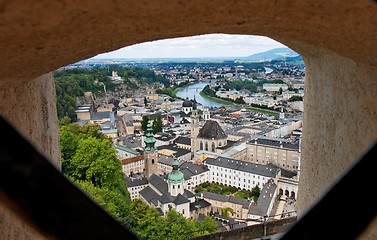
(209, 45)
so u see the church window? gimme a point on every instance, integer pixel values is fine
(152, 161)
(213, 147)
(206, 146)
(173, 186)
(178, 186)
(201, 145)
(220, 144)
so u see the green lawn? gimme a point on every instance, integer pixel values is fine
(224, 190)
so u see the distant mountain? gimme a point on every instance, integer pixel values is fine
(277, 53)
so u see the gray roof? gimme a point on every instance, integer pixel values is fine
(201, 203)
(264, 200)
(133, 182)
(158, 183)
(275, 143)
(183, 140)
(212, 130)
(150, 195)
(254, 168)
(189, 169)
(179, 151)
(101, 115)
(180, 199)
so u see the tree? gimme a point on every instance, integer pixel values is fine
(144, 123)
(96, 161)
(255, 192)
(145, 102)
(157, 125)
(91, 163)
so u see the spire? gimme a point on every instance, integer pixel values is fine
(194, 104)
(149, 139)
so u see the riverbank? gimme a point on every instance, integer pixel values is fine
(229, 103)
(193, 92)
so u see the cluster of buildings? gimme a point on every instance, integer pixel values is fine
(264, 153)
(226, 146)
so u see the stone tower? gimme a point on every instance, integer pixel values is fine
(150, 153)
(175, 180)
(194, 128)
(206, 115)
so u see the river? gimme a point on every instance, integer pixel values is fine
(194, 90)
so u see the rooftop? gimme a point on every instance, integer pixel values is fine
(254, 168)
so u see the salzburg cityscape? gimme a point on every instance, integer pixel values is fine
(176, 148)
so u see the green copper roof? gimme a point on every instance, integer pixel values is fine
(175, 176)
(149, 139)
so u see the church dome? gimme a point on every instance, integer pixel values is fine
(187, 103)
(175, 176)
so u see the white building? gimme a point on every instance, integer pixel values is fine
(240, 174)
(274, 87)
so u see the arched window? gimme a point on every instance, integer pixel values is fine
(220, 144)
(213, 147)
(206, 145)
(201, 145)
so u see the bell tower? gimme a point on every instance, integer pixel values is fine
(194, 128)
(150, 153)
(175, 180)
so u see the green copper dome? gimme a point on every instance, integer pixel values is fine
(175, 176)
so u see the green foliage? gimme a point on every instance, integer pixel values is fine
(70, 84)
(208, 91)
(255, 192)
(144, 123)
(168, 91)
(96, 161)
(89, 160)
(295, 98)
(91, 163)
(227, 212)
(228, 190)
(115, 201)
(157, 125)
(148, 224)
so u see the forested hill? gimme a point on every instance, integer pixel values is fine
(73, 83)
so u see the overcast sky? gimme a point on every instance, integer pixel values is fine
(210, 45)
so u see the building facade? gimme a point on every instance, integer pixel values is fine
(280, 153)
(240, 174)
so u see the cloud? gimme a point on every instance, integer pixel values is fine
(210, 45)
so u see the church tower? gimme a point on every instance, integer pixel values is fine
(194, 128)
(150, 153)
(206, 115)
(175, 180)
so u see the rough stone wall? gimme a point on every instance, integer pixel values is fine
(252, 232)
(339, 120)
(31, 108)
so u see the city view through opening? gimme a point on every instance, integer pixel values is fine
(185, 137)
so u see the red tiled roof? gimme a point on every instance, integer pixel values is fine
(132, 159)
